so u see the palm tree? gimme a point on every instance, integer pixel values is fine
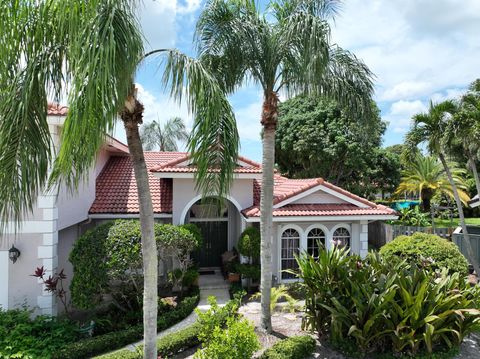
(464, 128)
(286, 48)
(426, 176)
(89, 52)
(429, 128)
(164, 137)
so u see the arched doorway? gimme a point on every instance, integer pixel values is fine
(219, 222)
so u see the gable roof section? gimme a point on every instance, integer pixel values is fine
(55, 109)
(286, 189)
(116, 189)
(182, 164)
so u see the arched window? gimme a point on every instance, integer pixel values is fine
(341, 237)
(290, 247)
(315, 236)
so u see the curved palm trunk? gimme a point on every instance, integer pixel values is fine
(473, 166)
(269, 122)
(132, 116)
(466, 237)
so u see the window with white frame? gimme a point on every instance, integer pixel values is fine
(290, 247)
(315, 239)
(341, 237)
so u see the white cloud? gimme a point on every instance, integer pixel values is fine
(407, 108)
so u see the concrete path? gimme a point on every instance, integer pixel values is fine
(210, 285)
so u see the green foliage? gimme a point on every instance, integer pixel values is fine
(195, 231)
(100, 344)
(298, 347)
(378, 303)
(236, 341)
(413, 217)
(249, 243)
(89, 259)
(165, 137)
(22, 337)
(277, 294)
(250, 271)
(315, 138)
(422, 246)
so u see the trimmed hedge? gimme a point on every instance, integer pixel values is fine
(166, 346)
(103, 343)
(298, 347)
(420, 246)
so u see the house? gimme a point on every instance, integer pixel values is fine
(305, 211)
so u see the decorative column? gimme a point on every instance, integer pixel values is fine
(363, 238)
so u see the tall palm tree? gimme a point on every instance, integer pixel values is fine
(429, 128)
(426, 176)
(89, 51)
(464, 128)
(164, 137)
(286, 48)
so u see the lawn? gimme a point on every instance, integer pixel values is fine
(455, 222)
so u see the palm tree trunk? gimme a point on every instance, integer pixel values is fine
(473, 166)
(132, 116)
(466, 237)
(269, 122)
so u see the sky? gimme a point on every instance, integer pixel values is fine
(419, 50)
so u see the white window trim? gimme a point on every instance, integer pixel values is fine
(301, 248)
(325, 231)
(4, 263)
(348, 228)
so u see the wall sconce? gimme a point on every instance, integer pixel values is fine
(13, 254)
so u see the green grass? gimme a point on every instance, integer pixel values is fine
(455, 223)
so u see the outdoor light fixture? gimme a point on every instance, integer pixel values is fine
(13, 254)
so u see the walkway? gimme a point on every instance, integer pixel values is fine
(210, 285)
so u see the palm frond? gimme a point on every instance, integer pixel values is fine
(214, 140)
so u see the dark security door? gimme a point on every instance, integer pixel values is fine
(215, 242)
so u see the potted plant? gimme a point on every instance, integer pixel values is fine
(233, 274)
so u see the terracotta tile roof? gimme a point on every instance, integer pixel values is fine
(174, 166)
(116, 189)
(54, 109)
(324, 209)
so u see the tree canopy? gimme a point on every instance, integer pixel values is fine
(316, 138)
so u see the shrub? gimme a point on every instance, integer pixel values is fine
(22, 337)
(276, 294)
(419, 246)
(380, 304)
(299, 347)
(195, 231)
(93, 346)
(237, 341)
(250, 271)
(249, 244)
(413, 217)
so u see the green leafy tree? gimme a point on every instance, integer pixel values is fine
(287, 48)
(315, 138)
(426, 176)
(165, 137)
(89, 52)
(429, 128)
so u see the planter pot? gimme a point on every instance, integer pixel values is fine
(233, 277)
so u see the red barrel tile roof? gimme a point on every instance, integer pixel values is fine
(54, 109)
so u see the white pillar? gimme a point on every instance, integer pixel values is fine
(363, 238)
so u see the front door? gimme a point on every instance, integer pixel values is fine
(215, 243)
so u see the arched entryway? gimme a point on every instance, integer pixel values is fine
(220, 224)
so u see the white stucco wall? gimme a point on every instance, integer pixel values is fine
(74, 206)
(184, 195)
(319, 197)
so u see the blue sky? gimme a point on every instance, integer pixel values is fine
(418, 49)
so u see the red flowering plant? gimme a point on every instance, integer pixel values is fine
(53, 284)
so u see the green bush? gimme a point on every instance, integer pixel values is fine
(413, 216)
(291, 348)
(22, 337)
(195, 231)
(249, 271)
(378, 303)
(249, 243)
(96, 345)
(421, 246)
(237, 341)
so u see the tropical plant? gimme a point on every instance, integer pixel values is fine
(421, 247)
(249, 244)
(413, 217)
(164, 137)
(287, 48)
(429, 128)
(426, 175)
(378, 303)
(298, 347)
(88, 52)
(277, 294)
